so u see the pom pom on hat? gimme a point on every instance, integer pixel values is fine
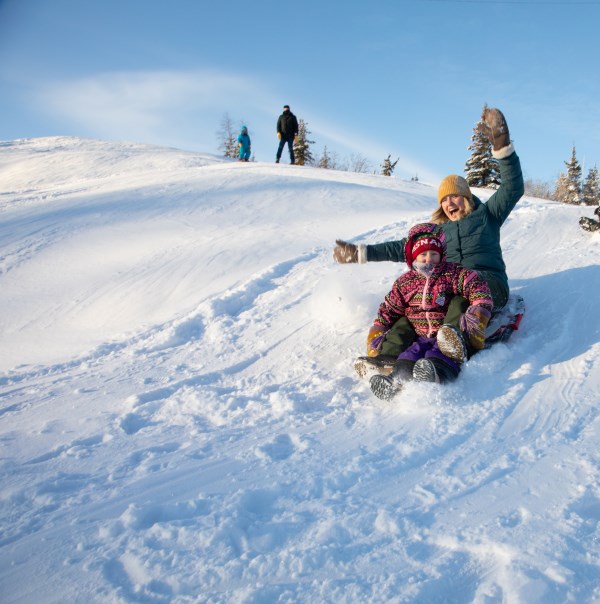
(454, 185)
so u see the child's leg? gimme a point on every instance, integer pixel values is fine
(418, 349)
(387, 386)
(452, 338)
(436, 367)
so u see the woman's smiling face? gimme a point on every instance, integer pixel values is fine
(455, 207)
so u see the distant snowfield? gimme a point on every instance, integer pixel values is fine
(179, 418)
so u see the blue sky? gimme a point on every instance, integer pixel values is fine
(403, 77)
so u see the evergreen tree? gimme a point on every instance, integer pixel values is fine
(228, 138)
(561, 189)
(302, 150)
(481, 168)
(591, 188)
(387, 167)
(568, 186)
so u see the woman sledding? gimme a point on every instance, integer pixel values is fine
(472, 237)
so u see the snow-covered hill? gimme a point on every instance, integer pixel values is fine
(179, 418)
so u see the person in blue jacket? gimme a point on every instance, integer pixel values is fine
(244, 144)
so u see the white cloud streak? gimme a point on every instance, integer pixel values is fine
(145, 102)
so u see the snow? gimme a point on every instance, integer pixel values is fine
(180, 420)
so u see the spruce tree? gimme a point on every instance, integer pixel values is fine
(302, 152)
(481, 168)
(591, 188)
(561, 189)
(568, 186)
(387, 167)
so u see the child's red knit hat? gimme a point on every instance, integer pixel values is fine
(425, 243)
(420, 237)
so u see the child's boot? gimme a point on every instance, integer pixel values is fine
(435, 370)
(382, 364)
(386, 387)
(452, 343)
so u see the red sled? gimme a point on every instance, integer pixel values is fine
(505, 321)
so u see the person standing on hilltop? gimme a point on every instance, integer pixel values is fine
(244, 143)
(287, 131)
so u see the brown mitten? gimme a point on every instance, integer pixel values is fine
(345, 253)
(494, 127)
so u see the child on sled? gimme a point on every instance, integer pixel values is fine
(422, 296)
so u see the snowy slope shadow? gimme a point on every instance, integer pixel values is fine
(225, 307)
(544, 339)
(557, 304)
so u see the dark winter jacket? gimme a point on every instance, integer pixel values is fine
(473, 241)
(287, 125)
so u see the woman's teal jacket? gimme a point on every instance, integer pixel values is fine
(473, 241)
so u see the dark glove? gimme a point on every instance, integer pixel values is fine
(494, 127)
(345, 253)
(473, 323)
(375, 339)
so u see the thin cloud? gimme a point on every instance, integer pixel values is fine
(137, 102)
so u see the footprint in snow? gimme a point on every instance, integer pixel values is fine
(282, 447)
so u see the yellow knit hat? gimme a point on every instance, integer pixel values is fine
(454, 185)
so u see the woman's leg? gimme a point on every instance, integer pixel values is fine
(398, 338)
